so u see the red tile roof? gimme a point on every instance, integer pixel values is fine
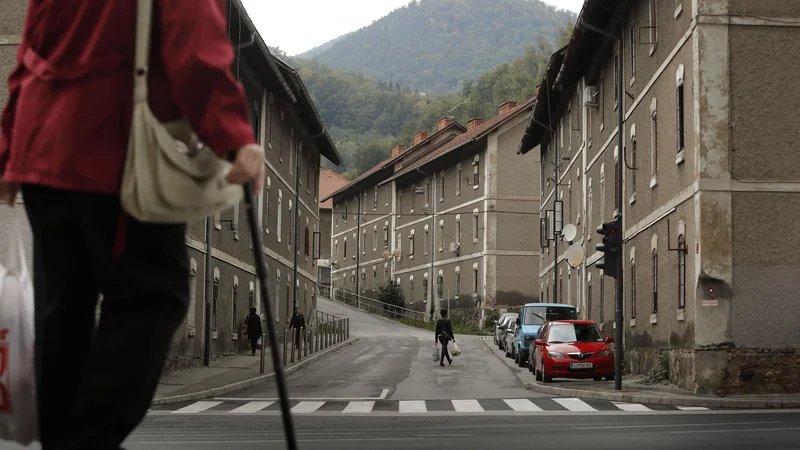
(330, 182)
(465, 138)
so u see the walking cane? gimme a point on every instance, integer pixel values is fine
(261, 272)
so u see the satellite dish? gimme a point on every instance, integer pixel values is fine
(569, 232)
(574, 255)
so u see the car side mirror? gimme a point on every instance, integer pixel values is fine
(518, 321)
(609, 339)
(538, 342)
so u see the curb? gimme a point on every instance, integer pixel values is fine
(261, 379)
(630, 397)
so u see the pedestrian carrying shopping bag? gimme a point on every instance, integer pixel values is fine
(18, 421)
(454, 349)
(436, 352)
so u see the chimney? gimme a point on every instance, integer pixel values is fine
(419, 137)
(474, 123)
(506, 107)
(397, 150)
(445, 122)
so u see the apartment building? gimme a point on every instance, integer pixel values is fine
(455, 228)
(291, 131)
(364, 216)
(709, 289)
(329, 182)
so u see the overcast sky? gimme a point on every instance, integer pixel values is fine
(299, 25)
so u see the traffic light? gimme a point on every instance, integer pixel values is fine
(611, 246)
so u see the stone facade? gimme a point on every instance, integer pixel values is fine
(288, 127)
(709, 285)
(447, 219)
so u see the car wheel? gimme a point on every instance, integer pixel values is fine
(545, 377)
(598, 378)
(530, 364)
(537, 374)
(521, 360)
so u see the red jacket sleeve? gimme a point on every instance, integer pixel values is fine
(7, 118)
(198, 56)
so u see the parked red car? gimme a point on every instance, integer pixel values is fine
(572, 349)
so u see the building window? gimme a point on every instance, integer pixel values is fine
(399, 244)
(386, 235)
(425, 289)
(364, 243)
(426, 241)
(375, 238)
(428, 192)
(411, 244)
(458, 282)
(632, 40)
(374, 278)
(633, 163)
(336, 251)
(655, 281)
(411, 290)
(653, 25)
(476, 173)
(654, 142)
(292, 149)
(251, 296)
(375, 199)
(681, 125)
(278, 296)
(290, 229)
(300, 168)
(681, 272)
(560, 290)
(475, 279)
(633, 290)
(388, 195)
(458, 229)
(589, 297)
(280, 214)
(616, 184)
(475, 226)
(413, 198)
(458, 180)
(441, 186)
(602, 297)
(602, 97)
(307, 243)
(355, 245)
(235, 305)
(441, 235)
(215, 300)
(315, 178)
(589, 204)
(364, 202)
(440, 285)
(266, 206)
(344, 253)
(616, 74)
(269, 120)
(400, 203)
(346, 211)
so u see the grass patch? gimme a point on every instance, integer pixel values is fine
(457, 328)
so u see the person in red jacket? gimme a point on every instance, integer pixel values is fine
(63, 142)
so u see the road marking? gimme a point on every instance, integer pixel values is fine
(574, 404)
(359, 407)
(196, 407)
(692, 408)
(413, 406)
(298, 399)
(251, 407)
(673, 425)
(384, 393)
(521, 404)
(467, 405)
(632, 407)
(735, 430)
(307, 407)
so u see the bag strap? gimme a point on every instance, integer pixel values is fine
(144, 19)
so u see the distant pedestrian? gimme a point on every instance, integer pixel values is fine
(254, 330)
(63, 142)
(298, 323)
(444, 334)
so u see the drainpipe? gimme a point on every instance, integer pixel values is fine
(358, 244)
(208, 291)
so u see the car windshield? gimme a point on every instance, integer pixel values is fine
(538, 315)
(579, 332)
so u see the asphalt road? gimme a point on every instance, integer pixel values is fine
(701, 431)
(393, 361)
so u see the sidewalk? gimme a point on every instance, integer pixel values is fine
(229, 374)
(635, 391)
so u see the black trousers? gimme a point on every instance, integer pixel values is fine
(95, 383)
(444, 340)
(254, 343)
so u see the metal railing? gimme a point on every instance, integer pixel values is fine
(377, 307)
(299, 343)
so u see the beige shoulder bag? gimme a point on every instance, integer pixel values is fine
(170, 176)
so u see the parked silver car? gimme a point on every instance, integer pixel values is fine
(500, 326)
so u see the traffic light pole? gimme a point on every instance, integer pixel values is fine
(619, 317)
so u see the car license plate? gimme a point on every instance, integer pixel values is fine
(581, 365)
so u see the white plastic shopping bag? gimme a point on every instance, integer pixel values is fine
(435, 352)
(455, 350)
(18, 421)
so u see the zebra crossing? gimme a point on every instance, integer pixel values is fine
(540, 405)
